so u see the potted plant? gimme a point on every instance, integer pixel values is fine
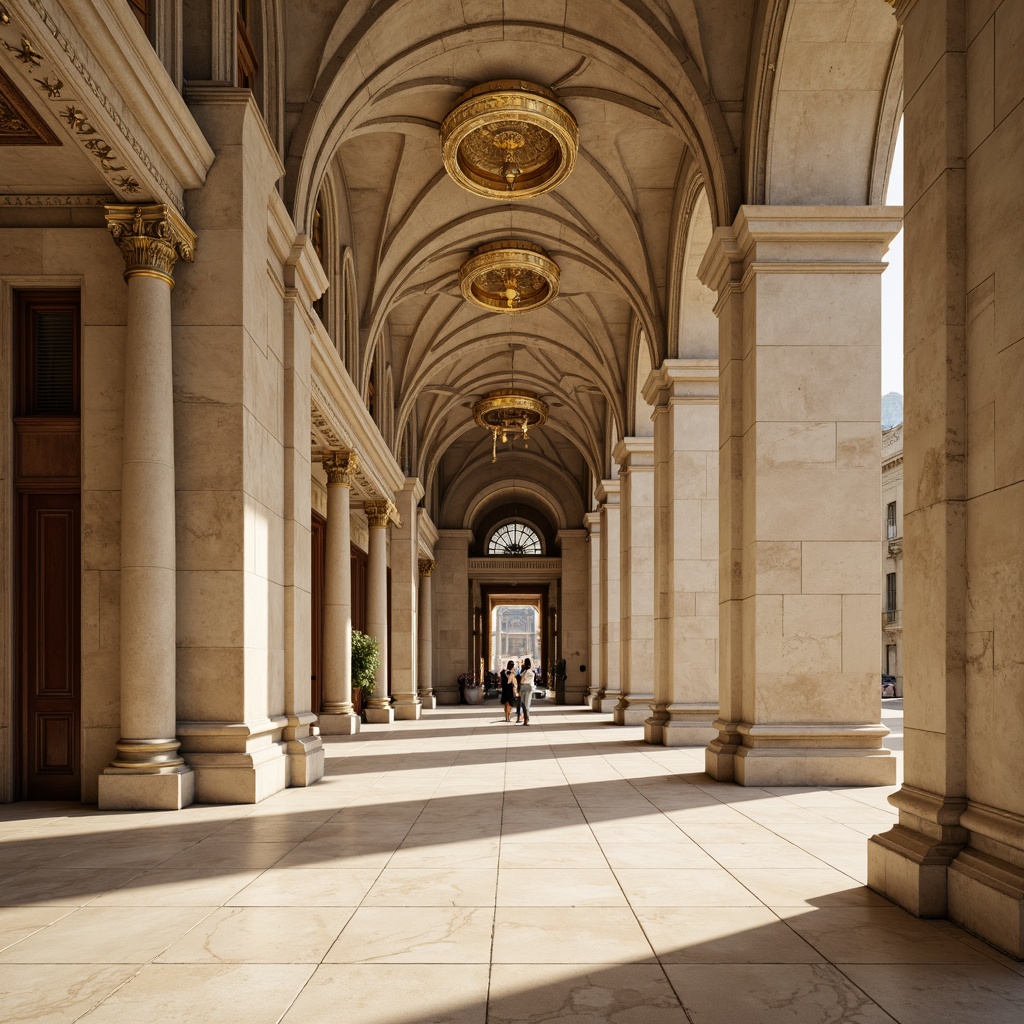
(472, 691)
(365, 662)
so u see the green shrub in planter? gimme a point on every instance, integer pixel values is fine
(365, 661)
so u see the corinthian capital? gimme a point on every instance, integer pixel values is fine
(340, 466)
(427, 566)
(151, 238)
(381, 514)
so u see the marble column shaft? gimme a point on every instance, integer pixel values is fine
(379, 516)
(799, 307)
(635, 456)
(148, 771)
(425, 634)
(337, 715)
(684, 394)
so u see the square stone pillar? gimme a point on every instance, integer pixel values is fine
(592, 520)
(684, 394)
(405, 580)
(958, 849)
(635, 456)
(799, 306)
(573, 627)
(453, 625)
(611, 607)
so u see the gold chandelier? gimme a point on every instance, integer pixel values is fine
(509, 413)
(509, 276)
(509, 139)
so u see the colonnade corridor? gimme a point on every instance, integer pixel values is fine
(458, 869)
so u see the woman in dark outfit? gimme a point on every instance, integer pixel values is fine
(508, 689)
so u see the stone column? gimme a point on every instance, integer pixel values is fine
(573, 628)
(635, 456)
(147, 771)
(425, 635)
(684, 394)
(611, 607)
(592, 521)
(452, 607)
(799, 307)
(379, 516)
(405, 578)
(337, 716)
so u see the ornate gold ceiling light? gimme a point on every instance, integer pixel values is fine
(510, 276)
(509, 413)
(509, 139)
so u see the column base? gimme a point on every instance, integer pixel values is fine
(605, 705)
(986, 896)
(447, 697)
(237, 762)
(407, 709)
(123, 789)
(380, 716)
(339, 725)
(428, 702)
(305, 761)
(633, 710)
(575, 697)
(681, 725)
(910, 868)
(814, 767)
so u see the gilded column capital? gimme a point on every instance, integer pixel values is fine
(427, 567)
(381, 514)
(151, 239)
(340, 466)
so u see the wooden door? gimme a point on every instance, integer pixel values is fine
(50, 649)
(47, 571)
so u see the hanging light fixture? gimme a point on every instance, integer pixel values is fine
(509, 139)
(509, 276)
(509, 413)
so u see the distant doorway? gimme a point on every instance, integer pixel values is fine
(514, 627)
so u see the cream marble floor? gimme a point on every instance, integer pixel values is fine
(457, 869)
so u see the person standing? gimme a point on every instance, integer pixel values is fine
(508, 688)
(526, 689)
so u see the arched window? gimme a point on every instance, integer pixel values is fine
(514, 539)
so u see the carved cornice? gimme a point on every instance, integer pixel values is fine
(341, 467)
(151, 238)
(427, 567)
(381, 514)
(53, 199)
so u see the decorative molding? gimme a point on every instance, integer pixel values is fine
(53, 199)
(340, 466)
(151, 238)
(427, 567)
(20, 125)
(381, 514)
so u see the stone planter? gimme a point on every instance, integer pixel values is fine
(473, 694)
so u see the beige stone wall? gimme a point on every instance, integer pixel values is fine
(573, 622)
(81, 257)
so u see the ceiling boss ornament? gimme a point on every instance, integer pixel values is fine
(509, 276)
(509, 139)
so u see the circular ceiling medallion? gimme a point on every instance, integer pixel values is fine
(509, 139)
(510, 276)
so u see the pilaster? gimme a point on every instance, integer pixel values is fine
(799, 306)
(451, 596)
(592, 521)
(635, 456)
(684, 394)
(573, 600)
(405, 579)
(611, 604)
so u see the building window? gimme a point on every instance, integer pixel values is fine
(890, 596)
(514, 539)
(890, 521)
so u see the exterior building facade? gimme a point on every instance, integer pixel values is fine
(256, 330)
(892, 556)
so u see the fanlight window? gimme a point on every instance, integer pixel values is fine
(514, 539)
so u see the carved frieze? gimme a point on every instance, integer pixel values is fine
(20, 125)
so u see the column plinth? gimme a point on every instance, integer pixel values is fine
(148, 772)
(336, 713)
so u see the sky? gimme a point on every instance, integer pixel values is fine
(892, 286)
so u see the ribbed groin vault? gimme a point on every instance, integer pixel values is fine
(378, 315)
